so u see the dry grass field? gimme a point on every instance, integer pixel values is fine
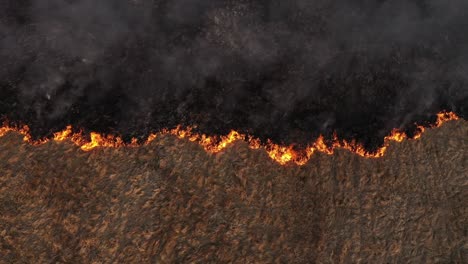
(171, 202)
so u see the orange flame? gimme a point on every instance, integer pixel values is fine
(63, 135)
(396, 135)
(214, 144)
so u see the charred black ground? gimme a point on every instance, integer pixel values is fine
(283, 70)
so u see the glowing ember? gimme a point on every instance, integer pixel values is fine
(214, 144)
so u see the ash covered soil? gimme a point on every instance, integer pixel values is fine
(171, 202)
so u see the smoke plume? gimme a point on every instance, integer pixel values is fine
(283, 70)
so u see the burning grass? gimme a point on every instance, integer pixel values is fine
(170, 201)
(215, 144)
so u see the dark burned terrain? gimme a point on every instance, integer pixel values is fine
(171, 202)
(280, 70)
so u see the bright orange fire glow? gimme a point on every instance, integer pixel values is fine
(214, 144)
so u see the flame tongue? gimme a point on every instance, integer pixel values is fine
(63, 135)
(215, 144)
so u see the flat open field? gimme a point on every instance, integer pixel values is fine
(171, 202)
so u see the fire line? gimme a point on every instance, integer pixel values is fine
(214, 144)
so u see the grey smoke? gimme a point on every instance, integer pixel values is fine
(276, 57)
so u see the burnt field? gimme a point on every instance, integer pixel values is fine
(84, 82)
(285, 71)
(170, 201)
